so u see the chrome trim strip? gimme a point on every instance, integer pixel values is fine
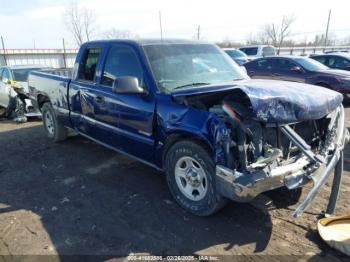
(141, 138)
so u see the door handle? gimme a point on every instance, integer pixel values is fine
(100, 99)
(251, 72)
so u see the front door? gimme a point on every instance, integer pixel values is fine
(127, 116)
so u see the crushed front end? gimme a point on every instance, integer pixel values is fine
(290, 155)
(278, 134)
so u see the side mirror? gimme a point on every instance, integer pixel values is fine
(296, 69)
(127, 85)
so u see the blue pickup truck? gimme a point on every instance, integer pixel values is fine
(183, 107)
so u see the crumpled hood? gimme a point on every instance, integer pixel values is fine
(278, 101)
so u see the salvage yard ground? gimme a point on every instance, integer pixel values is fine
(77, 197)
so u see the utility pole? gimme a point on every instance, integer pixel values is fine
(3, 48)
(64, 53)
(160, 25)
(326, 38)
(198, 32)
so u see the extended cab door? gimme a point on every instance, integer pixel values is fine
(82, 91)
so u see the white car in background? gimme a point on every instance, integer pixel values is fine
(258, 51)
(16, 100)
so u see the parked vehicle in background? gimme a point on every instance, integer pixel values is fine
(336, 61)
(258, 51)
(16, 99)
(300, 69)
(238, 56)
(185, 108)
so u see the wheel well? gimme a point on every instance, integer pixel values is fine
(42, 100)
(174, 138)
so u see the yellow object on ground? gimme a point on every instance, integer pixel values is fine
(335, 231)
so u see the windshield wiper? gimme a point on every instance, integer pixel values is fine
(192, 84)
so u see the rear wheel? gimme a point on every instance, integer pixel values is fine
(190, 175)
(54, 129)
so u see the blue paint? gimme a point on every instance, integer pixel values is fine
(142, 126)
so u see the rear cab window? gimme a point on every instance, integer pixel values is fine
(89, 62)
(268, 51)
(250, 50)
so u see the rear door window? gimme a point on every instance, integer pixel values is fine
(342, 62)
(284, 64)
(87, 67)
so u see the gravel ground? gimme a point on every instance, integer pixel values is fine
(78, 198)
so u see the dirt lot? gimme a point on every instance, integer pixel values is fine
(77, 197)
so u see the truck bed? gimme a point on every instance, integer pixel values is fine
(53, 84)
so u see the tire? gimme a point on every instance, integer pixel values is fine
(284, 197)
(53, 128)
(190, 175)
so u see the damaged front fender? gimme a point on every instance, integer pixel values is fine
(243, 187)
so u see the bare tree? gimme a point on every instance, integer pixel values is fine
(114, 33)
(79, 21)
(277, 33)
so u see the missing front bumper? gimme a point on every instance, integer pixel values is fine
(243, 187)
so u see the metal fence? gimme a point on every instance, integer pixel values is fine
(59, 58)
(307, 50)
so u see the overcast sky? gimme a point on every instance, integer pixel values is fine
(24, 21)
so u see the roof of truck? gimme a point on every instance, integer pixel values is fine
(151, 41)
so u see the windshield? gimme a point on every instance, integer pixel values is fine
(249, 50)
(310, 64)
(177, 66)
(21, 75)
(235, 53)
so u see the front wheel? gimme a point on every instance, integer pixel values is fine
(54, 129)
(190, 176)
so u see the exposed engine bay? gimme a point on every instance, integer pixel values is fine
(266, 155)
(256, 144)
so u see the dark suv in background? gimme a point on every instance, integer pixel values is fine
(300, 69)
(336, 61)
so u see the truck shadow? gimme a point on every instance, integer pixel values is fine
(91, 200)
